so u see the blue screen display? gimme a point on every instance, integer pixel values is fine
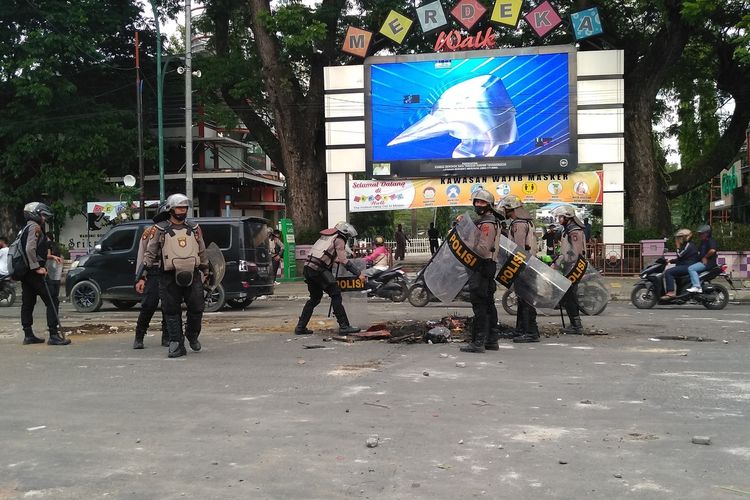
(456, 110)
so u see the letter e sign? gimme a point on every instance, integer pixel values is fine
(396, 26)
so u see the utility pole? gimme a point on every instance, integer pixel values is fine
(139, 104)
(188, 106)
(159, 101)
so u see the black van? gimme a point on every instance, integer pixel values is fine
(109, 272)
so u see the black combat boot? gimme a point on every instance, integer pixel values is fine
(346, 329)
(193, 329)
(30, 338)
(491, 342)
(138, 342)
(575, 327)
(56, 339)
(164, 334)
(176, 342)
(301, 330)
(530, 327)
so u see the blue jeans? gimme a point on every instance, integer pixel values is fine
(671, 273)
(694, 270)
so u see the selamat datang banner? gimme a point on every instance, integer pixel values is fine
(581, 188)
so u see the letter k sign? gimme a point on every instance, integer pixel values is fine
(543, 19)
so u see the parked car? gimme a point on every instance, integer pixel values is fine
(108, 273)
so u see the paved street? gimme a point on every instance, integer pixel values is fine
(257, 415)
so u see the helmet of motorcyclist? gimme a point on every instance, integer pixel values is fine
(379, 241)
(346, 229)
(510, 202)
(36, 211)
(683, 233)
(704, 229)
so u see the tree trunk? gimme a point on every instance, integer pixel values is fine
(8, 223)
(644, 185)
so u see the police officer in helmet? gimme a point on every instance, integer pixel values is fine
(521, 232)
(150, 299)
(572, 246)
(33, 283)
(178, 244)
(482, 280)
(330, 249)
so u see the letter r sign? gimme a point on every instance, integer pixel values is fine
(431, 16)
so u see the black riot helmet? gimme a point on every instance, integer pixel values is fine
(36, 210)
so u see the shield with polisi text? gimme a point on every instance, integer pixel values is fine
(448, 271)
(533, 281)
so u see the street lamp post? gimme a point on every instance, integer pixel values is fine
(188, 105)
(159, 101)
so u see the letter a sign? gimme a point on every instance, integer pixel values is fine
(586, 23)
(357, 42)
(543, 19)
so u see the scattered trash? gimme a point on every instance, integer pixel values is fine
(460, 441)
(500, 447)
(316, 346)
(443, 355)
(734, 490)
(114, 328)
(562, 462)
(586, 402)
(681, 337)
(443, 466)
(235, 329)
(481, 402)
(426, 373)
(300, 361)
(38, 427)
(460, 364)
(684, 354)
(372, 441)
(701, 440)
(725, 341)
(618, 475)
(376, 404)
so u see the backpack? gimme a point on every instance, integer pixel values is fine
(18, 263)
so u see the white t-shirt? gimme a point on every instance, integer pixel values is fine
(4, 260)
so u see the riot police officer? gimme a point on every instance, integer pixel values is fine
(178, 244)
(572, 250)
(482, 280)
(328, 250)
(150, 300)
(521, 232)
(33, 284)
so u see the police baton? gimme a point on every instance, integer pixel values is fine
(330, 306)
(57, 316)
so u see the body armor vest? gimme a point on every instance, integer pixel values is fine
(180, 251)
(323, 252)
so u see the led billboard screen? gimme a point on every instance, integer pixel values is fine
(475, 113)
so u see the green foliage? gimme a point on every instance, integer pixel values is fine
(635, 235)
(371, 224)
(732, 237)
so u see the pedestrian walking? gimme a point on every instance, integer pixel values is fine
(277, 253)
(178, 244)
(330, 249)
(432, 235)
(521, 232)
(150, 295)
(35, 244)
(401, 241)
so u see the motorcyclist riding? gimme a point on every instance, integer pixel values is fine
(687, 255)
(378, 258)
(707, 256)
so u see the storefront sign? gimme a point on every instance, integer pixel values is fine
(584, 188)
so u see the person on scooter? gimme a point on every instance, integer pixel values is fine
(707, 256)
(378, 258)
(687, 255)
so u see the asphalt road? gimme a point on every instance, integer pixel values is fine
(257, 415)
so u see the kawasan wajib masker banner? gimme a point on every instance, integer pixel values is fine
(584, 188)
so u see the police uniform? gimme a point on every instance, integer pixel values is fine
(329, 249)
(182, 253)
(33, 285)
(574, 239)
(150, 299)
(521, 226)
(482, 286)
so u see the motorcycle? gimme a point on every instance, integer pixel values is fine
(592, 299)
(391, 284)
(649, 290)
(7, 291)
(420, 295)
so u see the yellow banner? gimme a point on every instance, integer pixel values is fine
(582, 188)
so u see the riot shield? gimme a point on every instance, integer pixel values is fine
(533, 280)
(216, 266)
(593, 293)
(353, 293)
(448, 271)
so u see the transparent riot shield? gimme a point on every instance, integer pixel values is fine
(533, 280)
(593, 294)
(353, 293)
(448, 271)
